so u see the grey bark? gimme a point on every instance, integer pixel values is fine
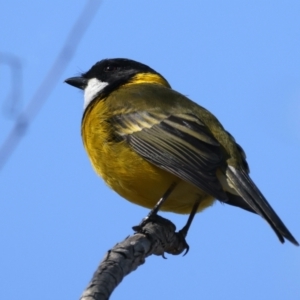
(156, 237)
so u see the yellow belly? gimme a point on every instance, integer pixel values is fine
(129, 174)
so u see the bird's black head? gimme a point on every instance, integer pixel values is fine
(112, 70)
(109, 74)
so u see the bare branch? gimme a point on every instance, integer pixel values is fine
(156, 237)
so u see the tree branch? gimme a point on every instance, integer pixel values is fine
(156, 237)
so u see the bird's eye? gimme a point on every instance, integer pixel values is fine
(111, 68)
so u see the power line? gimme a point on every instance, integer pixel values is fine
(67, 52)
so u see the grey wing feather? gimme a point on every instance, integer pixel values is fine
(179, 144)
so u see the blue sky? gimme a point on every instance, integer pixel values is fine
(240, 60)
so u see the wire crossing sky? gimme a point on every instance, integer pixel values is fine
(52, 78)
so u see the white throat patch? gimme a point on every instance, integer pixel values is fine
(93, 87)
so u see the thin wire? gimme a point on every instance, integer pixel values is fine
(53, 76)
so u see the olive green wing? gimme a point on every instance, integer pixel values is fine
(179, 143)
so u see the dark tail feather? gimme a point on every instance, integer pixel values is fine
(254, 198)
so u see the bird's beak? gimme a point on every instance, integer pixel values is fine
(78, 82)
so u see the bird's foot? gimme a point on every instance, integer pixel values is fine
(171, 241)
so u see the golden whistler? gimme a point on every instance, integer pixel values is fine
(145, 140)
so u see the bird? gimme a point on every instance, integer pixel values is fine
(149, 143)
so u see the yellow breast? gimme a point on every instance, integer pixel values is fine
(129, 174)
